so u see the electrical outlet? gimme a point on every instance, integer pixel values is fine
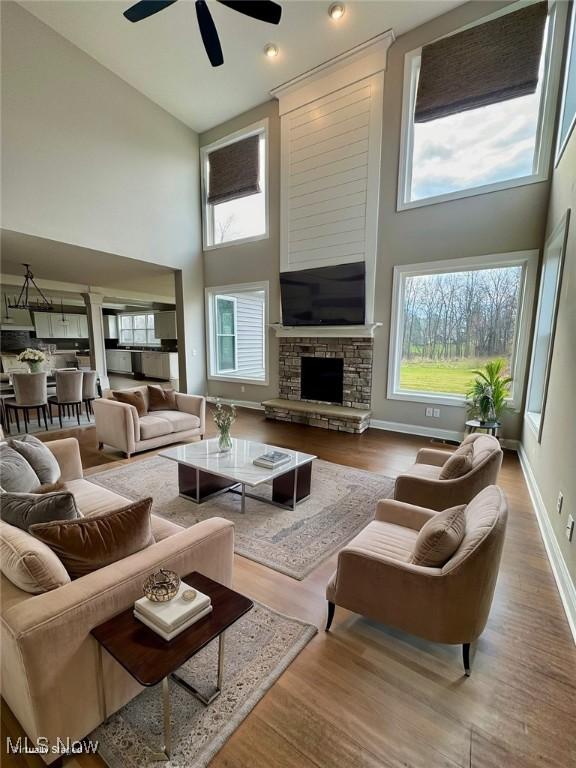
(570, 528)
(429, 412)
(242, 388)
(559, 502)
(436, 413)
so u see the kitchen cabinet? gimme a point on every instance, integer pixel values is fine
(110, 326)
(160, 365)
(16, 320)
(42, 325)
(54, 325)
(165, 325)
(119, 360)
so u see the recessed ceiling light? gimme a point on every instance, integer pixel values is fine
(271, 50)
(336, 11)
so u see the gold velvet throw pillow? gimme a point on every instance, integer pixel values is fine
(440, 537)
(90, 543)
(132, 398)
(161, 399)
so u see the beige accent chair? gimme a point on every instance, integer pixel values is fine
(375, 577)
(421, 484)
(118, 424)
(50, 671)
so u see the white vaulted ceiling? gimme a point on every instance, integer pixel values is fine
(163, 56)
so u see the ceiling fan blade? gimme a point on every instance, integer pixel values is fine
(209, 34)
(263, 10)
(146, 8)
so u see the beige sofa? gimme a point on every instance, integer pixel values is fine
(50, 671)
(118, 424)
(421, 484)
(450, 604)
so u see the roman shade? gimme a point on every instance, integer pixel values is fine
(486, 64)
(234, 171)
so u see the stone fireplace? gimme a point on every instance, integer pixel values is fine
(325, 382)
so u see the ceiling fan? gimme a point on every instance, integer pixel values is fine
(263, 10)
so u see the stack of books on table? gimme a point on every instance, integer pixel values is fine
(170, 618)
(272, 459)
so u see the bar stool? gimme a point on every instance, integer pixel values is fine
(68, 392)
(30, 394)
(89, 390)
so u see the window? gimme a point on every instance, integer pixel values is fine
(568, 110)
(450, 318)
(138, 330)
(467, 140)
(241, 215)
(226, 324)
(543, 342)
(236, 323)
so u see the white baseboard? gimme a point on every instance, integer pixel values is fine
(240, 403)
(439, 434)
(416, 429)
(564, 581)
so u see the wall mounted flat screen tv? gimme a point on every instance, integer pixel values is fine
(324, 296)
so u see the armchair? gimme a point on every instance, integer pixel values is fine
(421, 484)
(119, 425)
(450, 604)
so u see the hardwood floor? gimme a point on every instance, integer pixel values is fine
(367, 695)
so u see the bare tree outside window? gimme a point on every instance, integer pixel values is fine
(453, 323)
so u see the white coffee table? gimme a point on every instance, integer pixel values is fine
(204, 472)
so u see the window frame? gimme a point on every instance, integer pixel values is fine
(259, 128)
(218, 297)
(211, 294)
(527, 259)
(544, 131)
(559, 237)
(145, 314)
(570, 61)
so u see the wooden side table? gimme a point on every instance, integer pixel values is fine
(491, 427)
(151, 660)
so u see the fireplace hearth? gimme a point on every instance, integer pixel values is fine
(322, 379)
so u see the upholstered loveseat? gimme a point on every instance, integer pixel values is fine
(49, 658)
(119, 425)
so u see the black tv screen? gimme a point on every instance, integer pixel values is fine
(324, 296)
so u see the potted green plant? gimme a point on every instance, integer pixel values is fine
(487, 399)
(34, 358)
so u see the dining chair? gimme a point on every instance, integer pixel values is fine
(89, 390)
(68, 396)
(30, 394)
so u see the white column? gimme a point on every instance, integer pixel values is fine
(93, 302)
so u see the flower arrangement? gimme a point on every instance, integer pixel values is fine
(34, 358)
(489, 393)
(224, 416)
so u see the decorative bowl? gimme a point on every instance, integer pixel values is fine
(161, 586)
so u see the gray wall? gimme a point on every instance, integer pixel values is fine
(90, 161)
(491, 223)
(252, 262)
(553, 460)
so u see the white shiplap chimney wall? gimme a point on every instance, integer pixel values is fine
(331, 129)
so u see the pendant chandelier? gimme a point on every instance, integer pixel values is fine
(24, 301)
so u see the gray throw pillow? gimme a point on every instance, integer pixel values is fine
(26, 509)
(16, 474)
(40, 458)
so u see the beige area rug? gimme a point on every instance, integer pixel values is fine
(341, 503)
(258, 648)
